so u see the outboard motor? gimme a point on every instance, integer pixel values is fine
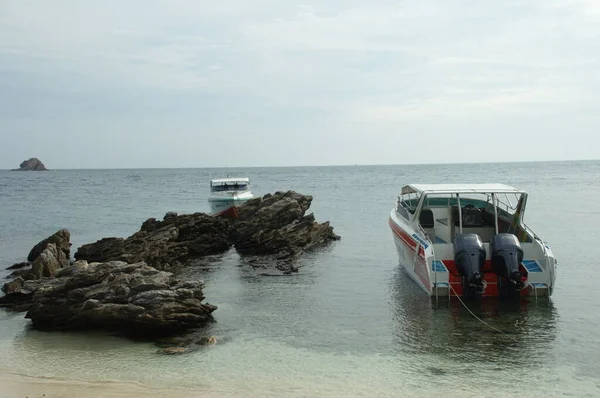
(469, 256)
(507, 256)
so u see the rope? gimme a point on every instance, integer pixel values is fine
(476, 317)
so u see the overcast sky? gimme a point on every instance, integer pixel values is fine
(191, 83)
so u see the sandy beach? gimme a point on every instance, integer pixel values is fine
(19, 386)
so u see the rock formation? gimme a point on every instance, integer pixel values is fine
(62, 240)
(33, 164)
(131, 298)
(278, 225)
(46, 257)
(19, 265)
(116, 283)
(162, 244)
(272, 225)
(48, 262)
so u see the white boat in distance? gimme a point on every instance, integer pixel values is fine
(470, 240)
(228, 192)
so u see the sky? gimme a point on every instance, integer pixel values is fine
(193, 83)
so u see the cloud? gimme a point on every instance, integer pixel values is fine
(454, 44)
(270, 66)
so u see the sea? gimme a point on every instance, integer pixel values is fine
(350, 323)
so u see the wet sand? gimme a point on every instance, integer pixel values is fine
(18, 386)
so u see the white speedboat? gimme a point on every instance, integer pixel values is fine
(227, 193)
(470, 240)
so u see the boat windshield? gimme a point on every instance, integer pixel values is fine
(229, 186)
(408, 203)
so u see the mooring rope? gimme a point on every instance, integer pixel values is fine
(476, 317)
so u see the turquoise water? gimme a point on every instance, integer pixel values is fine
(350, 323)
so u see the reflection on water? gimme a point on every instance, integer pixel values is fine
(277, 337)
(520, 333)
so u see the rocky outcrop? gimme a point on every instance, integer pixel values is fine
(19, 293)
(278, 225)
(131, 298)
(135, 299)
(46, 257)
(62, 240)
(33, 164)
(19, 265)
(162, 244)
(14, 286)
(273, 225)
(116, 283)
(48, 262)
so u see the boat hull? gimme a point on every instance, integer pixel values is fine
(223, 202)
(230, 212)
(411, 257)
(230, 197)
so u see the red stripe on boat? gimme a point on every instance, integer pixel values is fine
(406, 238)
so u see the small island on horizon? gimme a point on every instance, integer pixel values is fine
(33, 164)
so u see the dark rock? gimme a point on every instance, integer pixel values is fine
(62, 240)
(19, 294)
(49, 261)
(25, 273)
(278, 225)
(33, 164)
(162, 244)
(45, 258)
(19, 265)
(107, 296)
(14, 286)
(272, 225)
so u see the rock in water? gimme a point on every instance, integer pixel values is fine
(19, 265)
(171, 242)
(278, 225)
(272, 225)
(13, 286)
(62, 240)
(46, 257)
(19, 294)
(33, 164)
(49, 261)
(131, 298)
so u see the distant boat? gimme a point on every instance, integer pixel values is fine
(228, 193)
(470, 240)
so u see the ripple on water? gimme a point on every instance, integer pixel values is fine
(350, 323)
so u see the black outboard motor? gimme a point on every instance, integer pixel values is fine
(507, 256)
(469, 256)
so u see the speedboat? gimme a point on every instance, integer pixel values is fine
(228, 193)
(470, 241)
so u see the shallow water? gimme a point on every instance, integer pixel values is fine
(350, 323)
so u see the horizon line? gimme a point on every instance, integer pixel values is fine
(319, 165)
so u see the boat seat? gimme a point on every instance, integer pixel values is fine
(426, 218)
(427, 223)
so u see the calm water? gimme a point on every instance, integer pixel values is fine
(350, 323)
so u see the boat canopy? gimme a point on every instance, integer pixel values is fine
(459, 188)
